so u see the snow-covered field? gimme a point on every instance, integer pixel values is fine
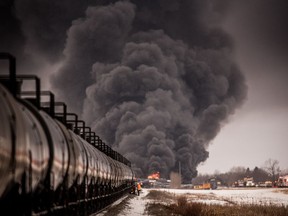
(136, 205)
(263, 196)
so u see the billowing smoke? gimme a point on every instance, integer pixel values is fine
(163, 102)
(97, 37)
(154, 79)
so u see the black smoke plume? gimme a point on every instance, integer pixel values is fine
(154, 79)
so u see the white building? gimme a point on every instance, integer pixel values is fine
(283, 181)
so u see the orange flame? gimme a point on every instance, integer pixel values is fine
(154, 176)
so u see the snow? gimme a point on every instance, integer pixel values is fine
(262, 196)
(136, 205)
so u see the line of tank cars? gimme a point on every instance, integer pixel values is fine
(50, 162)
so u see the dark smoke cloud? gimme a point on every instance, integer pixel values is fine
(11, 37)
(264, 22)
(45, 24)
(260, 29)
(97, 37)
(155, 79)
(163, 102)
(185, 20)
(35, 31)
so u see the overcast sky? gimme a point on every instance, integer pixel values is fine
(158, 79)
(259, 129)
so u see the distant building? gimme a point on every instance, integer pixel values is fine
(246, 182)
(249, 182)
(268, 184)
(283, 181)
(239, 183)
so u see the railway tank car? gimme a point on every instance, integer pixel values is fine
(50, 162)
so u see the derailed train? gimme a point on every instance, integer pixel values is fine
(50, 162)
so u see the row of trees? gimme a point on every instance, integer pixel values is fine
(269, 172)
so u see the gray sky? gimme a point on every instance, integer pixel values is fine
(258, 130)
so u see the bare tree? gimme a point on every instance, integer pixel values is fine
(272, 168)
